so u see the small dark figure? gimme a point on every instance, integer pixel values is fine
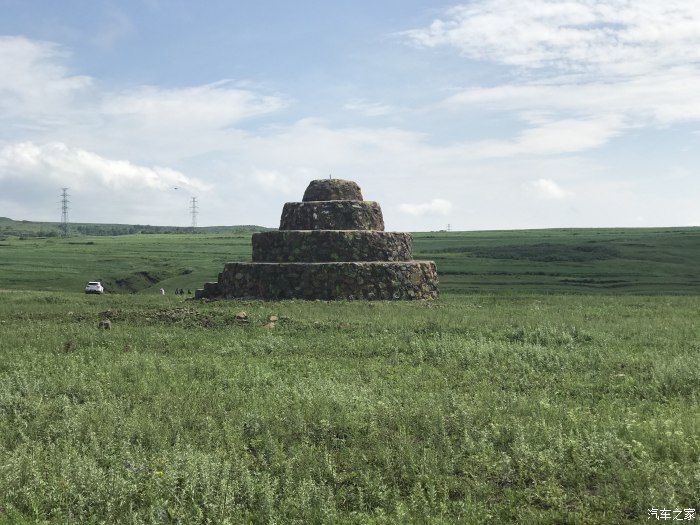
(189, 292)
(105, 324)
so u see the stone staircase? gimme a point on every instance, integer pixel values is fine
(332, 245)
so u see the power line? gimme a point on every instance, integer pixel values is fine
(64, 212)
(194, 211)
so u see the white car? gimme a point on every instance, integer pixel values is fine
(94, 287)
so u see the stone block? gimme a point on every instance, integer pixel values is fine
(332, 215)
(328, 281)
(331, 245)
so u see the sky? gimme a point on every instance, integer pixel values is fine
(487, 114)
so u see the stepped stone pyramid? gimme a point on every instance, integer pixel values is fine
(330, 246)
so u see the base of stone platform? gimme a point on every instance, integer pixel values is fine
(327, 281)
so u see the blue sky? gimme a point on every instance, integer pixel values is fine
(487, 114)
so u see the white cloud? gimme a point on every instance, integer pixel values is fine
(56, 163)
(211, 106)
(432, 207)
(34, 82)
(368, 109)
(550, 138)
(548, 189)
(659, 99)
(612, 65)
(273, 181)
(600, 36)
(42, 101)
(101, 189)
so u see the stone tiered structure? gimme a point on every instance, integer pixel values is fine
(330, 246)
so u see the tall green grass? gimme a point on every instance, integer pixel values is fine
(474, 408)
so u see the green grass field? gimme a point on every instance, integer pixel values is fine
(34, 229)
(555, 380)
(649, 261)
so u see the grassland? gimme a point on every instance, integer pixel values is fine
(479, 409)
(625, 260)
(125, 264)
(493, 404)
(34, 229)
(649, 261)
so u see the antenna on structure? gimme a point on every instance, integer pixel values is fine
(194, 211)
(64, 212)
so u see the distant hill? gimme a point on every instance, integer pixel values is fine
(588, 260)
(32, 229)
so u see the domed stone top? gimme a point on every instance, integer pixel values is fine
(332, 190)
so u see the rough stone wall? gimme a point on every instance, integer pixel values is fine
(331, 245)
(328, 281)
(332, 215)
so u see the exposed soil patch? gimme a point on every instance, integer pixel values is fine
(134, 282)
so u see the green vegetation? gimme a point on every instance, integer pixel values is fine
(475, 408)
(590, 261)
(492, 404)
(33, 229)
(611, 260)
(130, 263)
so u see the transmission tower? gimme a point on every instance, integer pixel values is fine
(449, 227)
(194, 211)
(64, 212)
